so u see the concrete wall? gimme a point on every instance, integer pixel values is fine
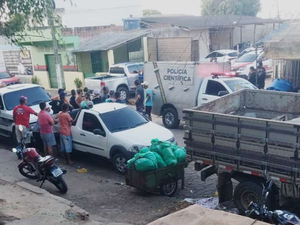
(43, 78)
(70, 77)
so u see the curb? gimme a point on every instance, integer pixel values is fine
(81, 213)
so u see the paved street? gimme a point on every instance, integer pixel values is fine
(103, 194)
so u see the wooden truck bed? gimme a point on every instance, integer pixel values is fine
(216, 136)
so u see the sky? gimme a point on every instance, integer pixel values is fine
(288, 9)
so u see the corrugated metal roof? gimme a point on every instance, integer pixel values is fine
(201, 22)
(286, 44)
(109, 40)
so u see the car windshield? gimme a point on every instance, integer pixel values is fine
(35, 96)
(122, 119)
(233, 54)
(247, 58)
(236, 85)
(4, 75)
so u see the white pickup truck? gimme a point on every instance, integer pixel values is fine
(9, 98)
(181, 85)
(120, 78)
(114, 131)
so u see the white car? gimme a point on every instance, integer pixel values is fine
(221, 56)
(116, 132)
(242, 65)
(9, 98)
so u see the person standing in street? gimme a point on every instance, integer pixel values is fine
(111, 96)
(139, 97)
(118, 98)
(46, 122)
(261, 77)
(97, 97)
(65, 121)
(149, 99)
(105, 92)
(21, 116)
(79, 99)
(73, 100)
(253, 76)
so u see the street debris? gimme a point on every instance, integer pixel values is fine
(82, 170)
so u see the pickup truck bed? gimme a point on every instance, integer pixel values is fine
(241, 132)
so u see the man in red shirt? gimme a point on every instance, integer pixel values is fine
(65, 121)
(46, 122)
(21, 115)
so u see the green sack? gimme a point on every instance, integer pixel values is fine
(168, 156)
(144, 165)
(152, 157)
(130, 162)
(180, 154)
(156, 146)
(144, 150)
(160, 162)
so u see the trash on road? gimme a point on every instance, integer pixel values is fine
(82, 170)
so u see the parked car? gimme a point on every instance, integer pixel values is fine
(9, 98)
(120, 78)
(7, 79)
(185, 85)
(221, 56)
(116, 132)
(242, 65)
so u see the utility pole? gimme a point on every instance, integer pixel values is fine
(55, 47)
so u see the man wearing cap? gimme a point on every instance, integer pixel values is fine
(61, 91)
(149, 99)
(97, 97)
(21, 115)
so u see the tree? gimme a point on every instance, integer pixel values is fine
(149, 12)
(227, 7)
(18, 16)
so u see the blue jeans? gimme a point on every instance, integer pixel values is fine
(66, 143)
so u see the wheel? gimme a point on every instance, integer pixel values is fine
(170, 118)
(60, 184)
(27, 170)
(169, 189)
(247, 192)
(120, 163)
(124, 93)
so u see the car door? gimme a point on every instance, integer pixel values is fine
(6, 119)
(86, 140)
(209, 91)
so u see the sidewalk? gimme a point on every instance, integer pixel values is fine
(22, 203)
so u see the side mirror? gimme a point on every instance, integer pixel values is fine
(99, 132)
(222, 93)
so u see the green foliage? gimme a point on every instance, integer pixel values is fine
(149, 12)
(19, 16)
(35, 80)
(78, 83)
(227, 7)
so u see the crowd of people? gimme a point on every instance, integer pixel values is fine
(258, 76)
(43, 131)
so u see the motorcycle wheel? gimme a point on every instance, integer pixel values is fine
(27, 170)
(60, 184)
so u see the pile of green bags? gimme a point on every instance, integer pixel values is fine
(160, 154)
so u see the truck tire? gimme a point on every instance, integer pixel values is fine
(124, 93)
(245, 192)
(170, 118)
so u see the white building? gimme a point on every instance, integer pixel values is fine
(88, 13)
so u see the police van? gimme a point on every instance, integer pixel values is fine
(183, 85)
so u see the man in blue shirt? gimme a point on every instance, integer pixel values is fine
(149, 99)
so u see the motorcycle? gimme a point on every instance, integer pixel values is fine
(277, 217)
(34, 166)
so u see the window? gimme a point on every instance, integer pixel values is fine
(133, 69)
(117, 70)
(233, 54)
(1, 103)
(4, 75)
(115, 121)
(212, 55)
(214, 87)
(219, 54)
(236, 85)
(250, 57)
(90, 123)
(35, 96)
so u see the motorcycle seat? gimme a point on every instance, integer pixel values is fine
(42, 160)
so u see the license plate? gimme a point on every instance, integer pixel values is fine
(56, 172)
